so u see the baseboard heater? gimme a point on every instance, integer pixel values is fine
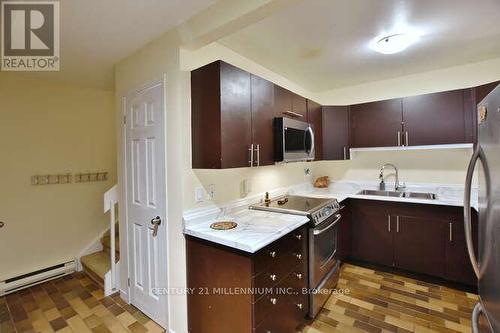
(27, 280)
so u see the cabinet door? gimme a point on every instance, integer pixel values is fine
(282, 102)
(335, 132)
(433, 119)
(458, 266)
(419, 245)
(236, 116)
(314, 116)
(299, 106)
(372, 232)
(376, 124)
(262, 118)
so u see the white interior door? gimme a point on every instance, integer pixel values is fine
(146, 201)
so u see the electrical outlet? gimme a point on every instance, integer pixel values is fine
(211, 191)
(199, 194)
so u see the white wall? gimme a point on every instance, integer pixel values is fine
(51, 128)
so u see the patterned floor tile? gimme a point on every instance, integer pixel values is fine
(71, 304)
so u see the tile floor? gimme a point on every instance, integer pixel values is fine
(376, 302)
(73, 303)
(383, 302)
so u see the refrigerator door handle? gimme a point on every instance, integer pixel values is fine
(467, 211)
(476, 312)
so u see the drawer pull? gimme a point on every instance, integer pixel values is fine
(272, 254)
(298, 256)
(272, 277)
(298, 236)
(298, 276)
(273, 301)
(300, 306)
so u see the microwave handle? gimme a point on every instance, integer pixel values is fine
(311, 132)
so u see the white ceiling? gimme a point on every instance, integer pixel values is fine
(324, 44)
(96, 34)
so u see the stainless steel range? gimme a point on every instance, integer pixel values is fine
(323, 263)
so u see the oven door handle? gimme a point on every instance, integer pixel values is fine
(320, 231)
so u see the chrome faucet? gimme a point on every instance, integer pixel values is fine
(397, 186)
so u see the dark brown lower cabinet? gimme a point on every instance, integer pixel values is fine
(419, 246)
(425, 239)
(233, 291)
(372, 237)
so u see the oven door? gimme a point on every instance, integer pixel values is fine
(323, 241)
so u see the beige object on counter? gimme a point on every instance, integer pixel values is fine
(322, 182)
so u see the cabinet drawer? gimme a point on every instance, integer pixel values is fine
(286, 316)
(289, 289)
(279, 250)
(275, 273)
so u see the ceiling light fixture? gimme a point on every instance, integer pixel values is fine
(394, 43)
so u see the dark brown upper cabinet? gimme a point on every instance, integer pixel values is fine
(336, 132)
(439, 118)
(221, 118)
(376, 124)
(263, 113)
(290, 105)
(314, 117)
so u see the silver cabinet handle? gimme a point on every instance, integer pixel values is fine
(407, 139)
(467, 210)
(272, 277)
(451, 232)
(251, 155)
(298, 276)
(399, 138)
(272, 254)
(300, 306)
(389, 223)
(273, 301)
(293, 114)
(298, 256)
(258, 154)
(397, 224)
(345, 153)
(298, 236)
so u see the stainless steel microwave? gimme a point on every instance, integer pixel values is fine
(293, 140)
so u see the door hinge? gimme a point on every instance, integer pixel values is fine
(128, 282)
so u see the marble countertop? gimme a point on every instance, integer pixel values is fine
(255, 229)
(447, 195)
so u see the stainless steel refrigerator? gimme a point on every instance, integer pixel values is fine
(487, 262)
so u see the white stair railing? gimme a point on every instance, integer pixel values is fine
(110, 202)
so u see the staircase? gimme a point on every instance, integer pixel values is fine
(97, 264)
(103, 266)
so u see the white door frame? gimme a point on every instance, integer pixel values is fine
(123, 188)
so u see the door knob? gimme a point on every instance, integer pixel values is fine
(156, 223)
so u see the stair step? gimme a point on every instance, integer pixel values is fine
(106, 243)
(96, 265)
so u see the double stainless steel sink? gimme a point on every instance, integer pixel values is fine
(398, 194)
